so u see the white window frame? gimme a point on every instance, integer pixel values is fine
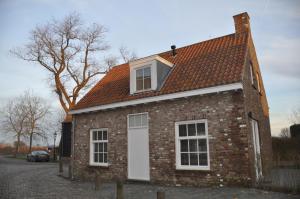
(143, 68)
(135, 114)
(258, 82)
(91, 161)
(177, 146)
(251, 74)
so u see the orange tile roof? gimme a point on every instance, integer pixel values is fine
(209, 63)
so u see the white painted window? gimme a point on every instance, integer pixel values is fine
(258, 82)
(251, 74)
(98, 147)
(143, 78)
(139, 120)
(192, 150)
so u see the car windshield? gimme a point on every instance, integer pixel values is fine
(39, 153)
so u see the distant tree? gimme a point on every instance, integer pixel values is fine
(37, 111)
(66, 49)
(126, 54)
(53, 125)
(21, 144)
(295, 116)
(14, 120)
(285, 133)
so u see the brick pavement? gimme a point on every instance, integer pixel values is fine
(20, 179)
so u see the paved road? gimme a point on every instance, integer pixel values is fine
(20, 179)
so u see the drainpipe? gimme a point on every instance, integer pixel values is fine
(73, 146)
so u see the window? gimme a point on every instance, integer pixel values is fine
(143, 78)
(192, 152)
(251, 74)
(139, 120)
(258, 82)
(98, 147)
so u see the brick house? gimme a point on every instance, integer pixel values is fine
(196, 115)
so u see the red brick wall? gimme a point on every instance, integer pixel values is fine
(228, 140)
(256, 103)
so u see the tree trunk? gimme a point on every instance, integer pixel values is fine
(30, 143)
(17, 146)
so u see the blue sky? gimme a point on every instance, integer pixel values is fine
(149, 27)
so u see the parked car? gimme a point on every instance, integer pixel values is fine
(36, 156)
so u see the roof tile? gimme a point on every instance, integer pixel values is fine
(209, 63)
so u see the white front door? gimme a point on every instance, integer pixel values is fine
(138, 147)
(256, 146)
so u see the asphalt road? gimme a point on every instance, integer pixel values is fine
(21, 179)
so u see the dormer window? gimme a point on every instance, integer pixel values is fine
(148, 74)
(143, 78)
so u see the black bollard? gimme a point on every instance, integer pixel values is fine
(120, 193)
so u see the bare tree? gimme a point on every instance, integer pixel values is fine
(295, 116)
(53, 125)
(284, 133)
(14, 120)
(126, 54)
(37, 110)
(66, 49)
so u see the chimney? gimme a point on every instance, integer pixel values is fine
(242, 22)
(173, 47)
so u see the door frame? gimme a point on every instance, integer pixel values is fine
(256, 149)
(128, 144)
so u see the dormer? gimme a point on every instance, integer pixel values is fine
(148, 73)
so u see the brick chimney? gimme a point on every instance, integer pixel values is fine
(242, 22)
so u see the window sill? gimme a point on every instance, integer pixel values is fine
(99, 164)
(141, 91)
(193, 168)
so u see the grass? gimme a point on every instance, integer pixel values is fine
(19, 156)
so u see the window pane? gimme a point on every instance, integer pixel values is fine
(147, 72)
(99, 135)
(184, 145)
(203, 159)
(104, 135)
(184, 159)
(191, 129)
(131, 121)
(96, 147)
(200, 129)
(202, 145)
(101, 157)
(144, 120)
(193, 159)
(105, 147)
(139, 84)
(94, 135)
(147, 83)
(137, 120)
(193, 145)
(96, 157)
(105, 158)
(139, 73)
(182, 130)
(100, 147)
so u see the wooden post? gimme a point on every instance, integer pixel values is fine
(70, 170)
(160, 195)
(120, 193)
(61, 166)
(97, 181)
